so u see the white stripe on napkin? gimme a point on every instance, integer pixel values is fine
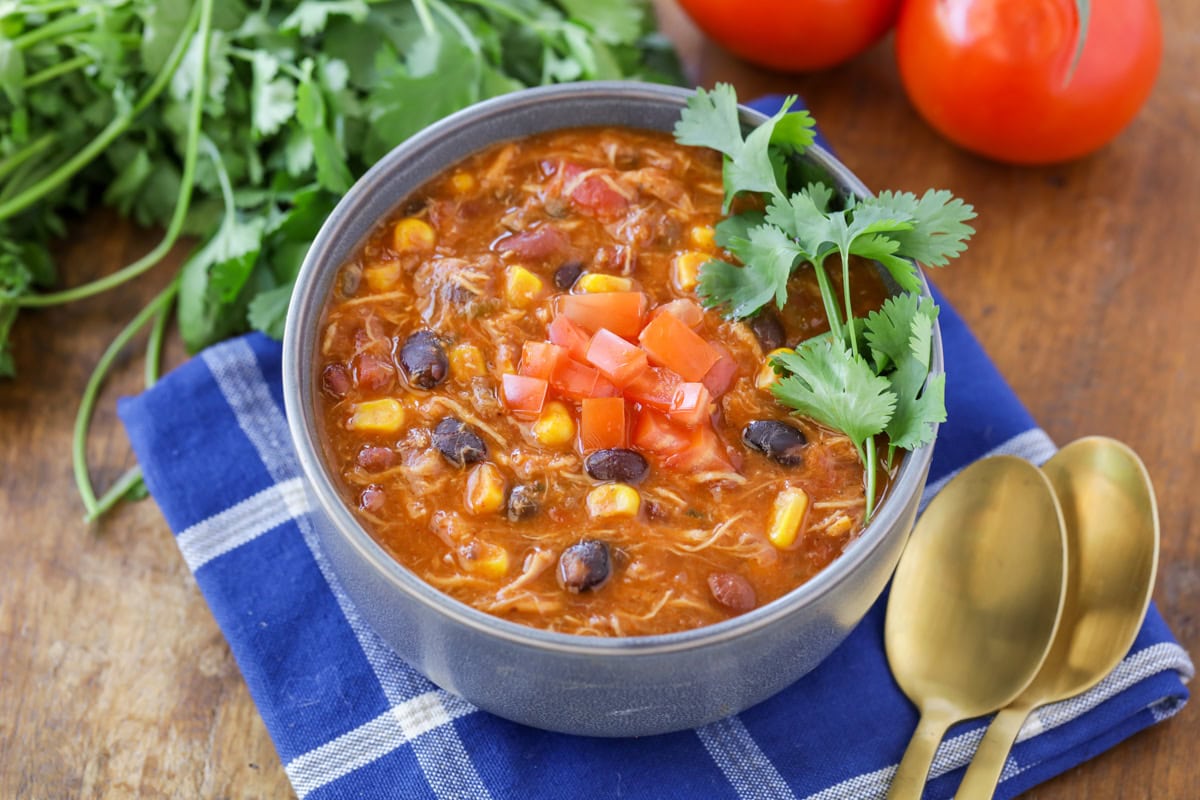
(745, 765)
(1033, 445)
(956, 752)
(373, 740)
(444, 761)
(243, 522)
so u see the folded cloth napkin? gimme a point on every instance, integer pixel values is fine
(352, 720)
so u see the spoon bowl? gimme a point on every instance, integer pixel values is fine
(1111, 518)
(975, 601)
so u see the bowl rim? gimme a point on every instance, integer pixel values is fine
(304, 316)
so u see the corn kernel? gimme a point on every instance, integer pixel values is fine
(466, 362)
(382, 277)
(462, 183)
(485, 490)
(685, 269)
(702, 236)
(412, 235)
(787, 515)
(593, 282)
(484, 558)
(555, 426)
(521, 287)
(613, 500)
(377, 416)
(767, 376)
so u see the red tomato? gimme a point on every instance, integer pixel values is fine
(617, 359)
(994, 76)
(690, 406)
(688, 311)
(677, 347)
(602, 423)
(540, 359)
(620, 312)
(705, 453)
(573, 380)
(794, 35)
(565, 333)
(654, 433)
(655, 388)
(524, 395)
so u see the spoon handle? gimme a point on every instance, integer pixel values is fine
(909, 780)
(984, 771)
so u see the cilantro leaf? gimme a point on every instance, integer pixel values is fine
(938, 231)
(311, 16)
(711, 119)
(733, 233)
(900, 335)
(825, 381)
(613, 21)
(267, 312)
(751, 169)
(768, 255)
(794, 132)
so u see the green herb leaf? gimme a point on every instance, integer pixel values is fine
(769, 256)
(900, 335)
(613, 21)
(711, 120)
(267, 312)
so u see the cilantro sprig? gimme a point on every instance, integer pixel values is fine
(867, 376)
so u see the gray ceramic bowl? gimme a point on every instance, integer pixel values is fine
(583, 685)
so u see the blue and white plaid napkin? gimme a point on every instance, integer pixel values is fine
(351, 720)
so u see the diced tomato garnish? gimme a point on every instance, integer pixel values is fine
(565, 333)
(690, 406)
(524, 395)
(605, 388)
(721, 375)
(539, 359)
(654, 388)
(675, 346)
(596, 194)
(602, 423)
(688, 312)
(573, 380)
(617, 359)
(655, 433)
(620, 312)
(705, 452)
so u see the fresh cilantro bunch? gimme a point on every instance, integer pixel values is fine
(241, 124)
(866, 376)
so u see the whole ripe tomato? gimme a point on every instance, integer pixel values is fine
(794, 35)
(994, 76)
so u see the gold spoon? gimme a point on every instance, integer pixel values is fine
(1112, 546)
(975, 602)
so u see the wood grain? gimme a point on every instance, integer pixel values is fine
(1082, 284)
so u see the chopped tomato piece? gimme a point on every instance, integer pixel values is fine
(603, 423)
(655, 433)
(565, 333)
(620, 312)
(688, 312)
(539, 359)
(574, 380)
(722, 374)
(525, 396)
(705, 452)
(677, 347)
(617, 359)
(654, 388)
(605, 388)
(690, 406)
(594, 192)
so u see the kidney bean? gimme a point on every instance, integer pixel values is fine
(584, 566)
(616, 464)
(732, 591)
(376, 459)
(373, 373)
(537, 244)
(335, 380)
(424, 359)
(372, 499)
(458, 442)
(776, 440)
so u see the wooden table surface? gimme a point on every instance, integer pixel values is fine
(1083, 283)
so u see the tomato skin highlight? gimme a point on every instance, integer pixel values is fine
(992, 75)
(794, 35)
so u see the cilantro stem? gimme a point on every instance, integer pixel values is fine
(182, 201)
(869, 464)
(846, 296)
(83, 417)
(460, 27)
(11, 162)
(154, 346)
(50, 73)
(425, 17)
(120, 487)
(63, 25)
(829, 298)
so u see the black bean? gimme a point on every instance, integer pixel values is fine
(768, 329)
(523, 501)
(616, 464)
(566, 275)
(776, 440)
(424, 359)
(584, 566)
(458, 442)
